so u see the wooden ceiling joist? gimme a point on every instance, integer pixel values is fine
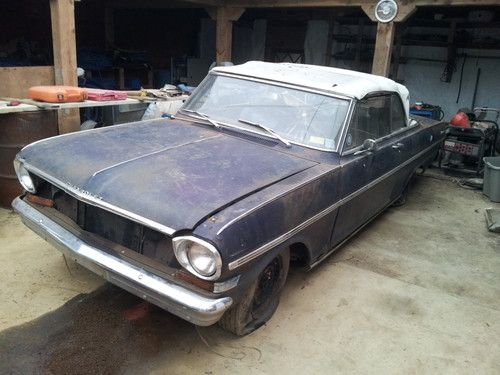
(162, 4)
(352, 3)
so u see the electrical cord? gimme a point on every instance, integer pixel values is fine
(461, 78)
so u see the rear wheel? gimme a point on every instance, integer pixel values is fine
(260, 301)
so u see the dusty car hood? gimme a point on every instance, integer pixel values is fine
(170, 172)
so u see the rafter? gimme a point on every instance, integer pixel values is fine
(334, 3)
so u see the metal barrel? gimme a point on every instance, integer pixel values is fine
(16, 131)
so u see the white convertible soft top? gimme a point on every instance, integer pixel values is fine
(337, 81)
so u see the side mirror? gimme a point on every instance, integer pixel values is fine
(369, 145)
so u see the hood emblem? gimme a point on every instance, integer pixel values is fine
(83, 191)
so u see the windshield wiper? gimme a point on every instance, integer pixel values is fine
(204, 117)
(268, 130)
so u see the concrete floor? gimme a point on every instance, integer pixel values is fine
(417, 291)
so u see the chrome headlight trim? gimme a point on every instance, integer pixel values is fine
(24, 176)
(181, 251)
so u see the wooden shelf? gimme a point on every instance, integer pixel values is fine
(343, 38)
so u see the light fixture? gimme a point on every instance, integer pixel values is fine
(198, 257)
(386, 10)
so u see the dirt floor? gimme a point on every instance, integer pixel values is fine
(417, 291)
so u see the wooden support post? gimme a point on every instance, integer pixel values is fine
(64, 48)
(224, 17)
(383, 49)
(385, 36)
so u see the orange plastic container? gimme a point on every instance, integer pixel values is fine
(57, 94)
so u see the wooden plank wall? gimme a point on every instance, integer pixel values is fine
(15, 81)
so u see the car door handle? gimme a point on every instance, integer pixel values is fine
(398, 146)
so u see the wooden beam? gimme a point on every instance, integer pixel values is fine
(64, 49)
(383, 49)
(205, 2)
(350, 3)
(224, 18)
(164, 4)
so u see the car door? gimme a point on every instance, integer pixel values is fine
(371, 180)
(387, 174)
(354, 175)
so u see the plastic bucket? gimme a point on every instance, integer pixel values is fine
(491, 182)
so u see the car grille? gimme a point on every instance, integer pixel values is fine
(110, 226)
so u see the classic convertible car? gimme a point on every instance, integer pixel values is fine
(266, 166)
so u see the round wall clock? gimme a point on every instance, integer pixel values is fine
(386, 10)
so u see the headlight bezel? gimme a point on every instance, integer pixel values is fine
(24, 177)
(181, 252)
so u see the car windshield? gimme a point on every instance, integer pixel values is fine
(302, 117)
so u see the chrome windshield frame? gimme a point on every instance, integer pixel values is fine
(346, 121)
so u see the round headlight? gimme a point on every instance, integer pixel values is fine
(202, 259)
(24, 177)
(197, 256)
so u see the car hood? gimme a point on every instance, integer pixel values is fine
(170, 172)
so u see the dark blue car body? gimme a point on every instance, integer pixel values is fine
(133, 187)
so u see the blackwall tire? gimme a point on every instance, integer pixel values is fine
(260, 301)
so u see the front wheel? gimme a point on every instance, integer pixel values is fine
(260, 301)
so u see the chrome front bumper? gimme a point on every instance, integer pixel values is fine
(174, 298)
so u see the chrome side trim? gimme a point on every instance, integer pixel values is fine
(168, 295)
(253, 209)
(98, 202)
(268, 246)
(332, 250)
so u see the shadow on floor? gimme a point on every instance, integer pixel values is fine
(91, 335)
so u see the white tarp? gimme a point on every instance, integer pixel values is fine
(315, 42)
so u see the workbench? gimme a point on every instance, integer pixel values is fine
(24, 107)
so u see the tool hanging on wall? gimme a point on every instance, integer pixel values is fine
(461, 78)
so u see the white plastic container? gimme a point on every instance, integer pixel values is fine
(491, 182)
